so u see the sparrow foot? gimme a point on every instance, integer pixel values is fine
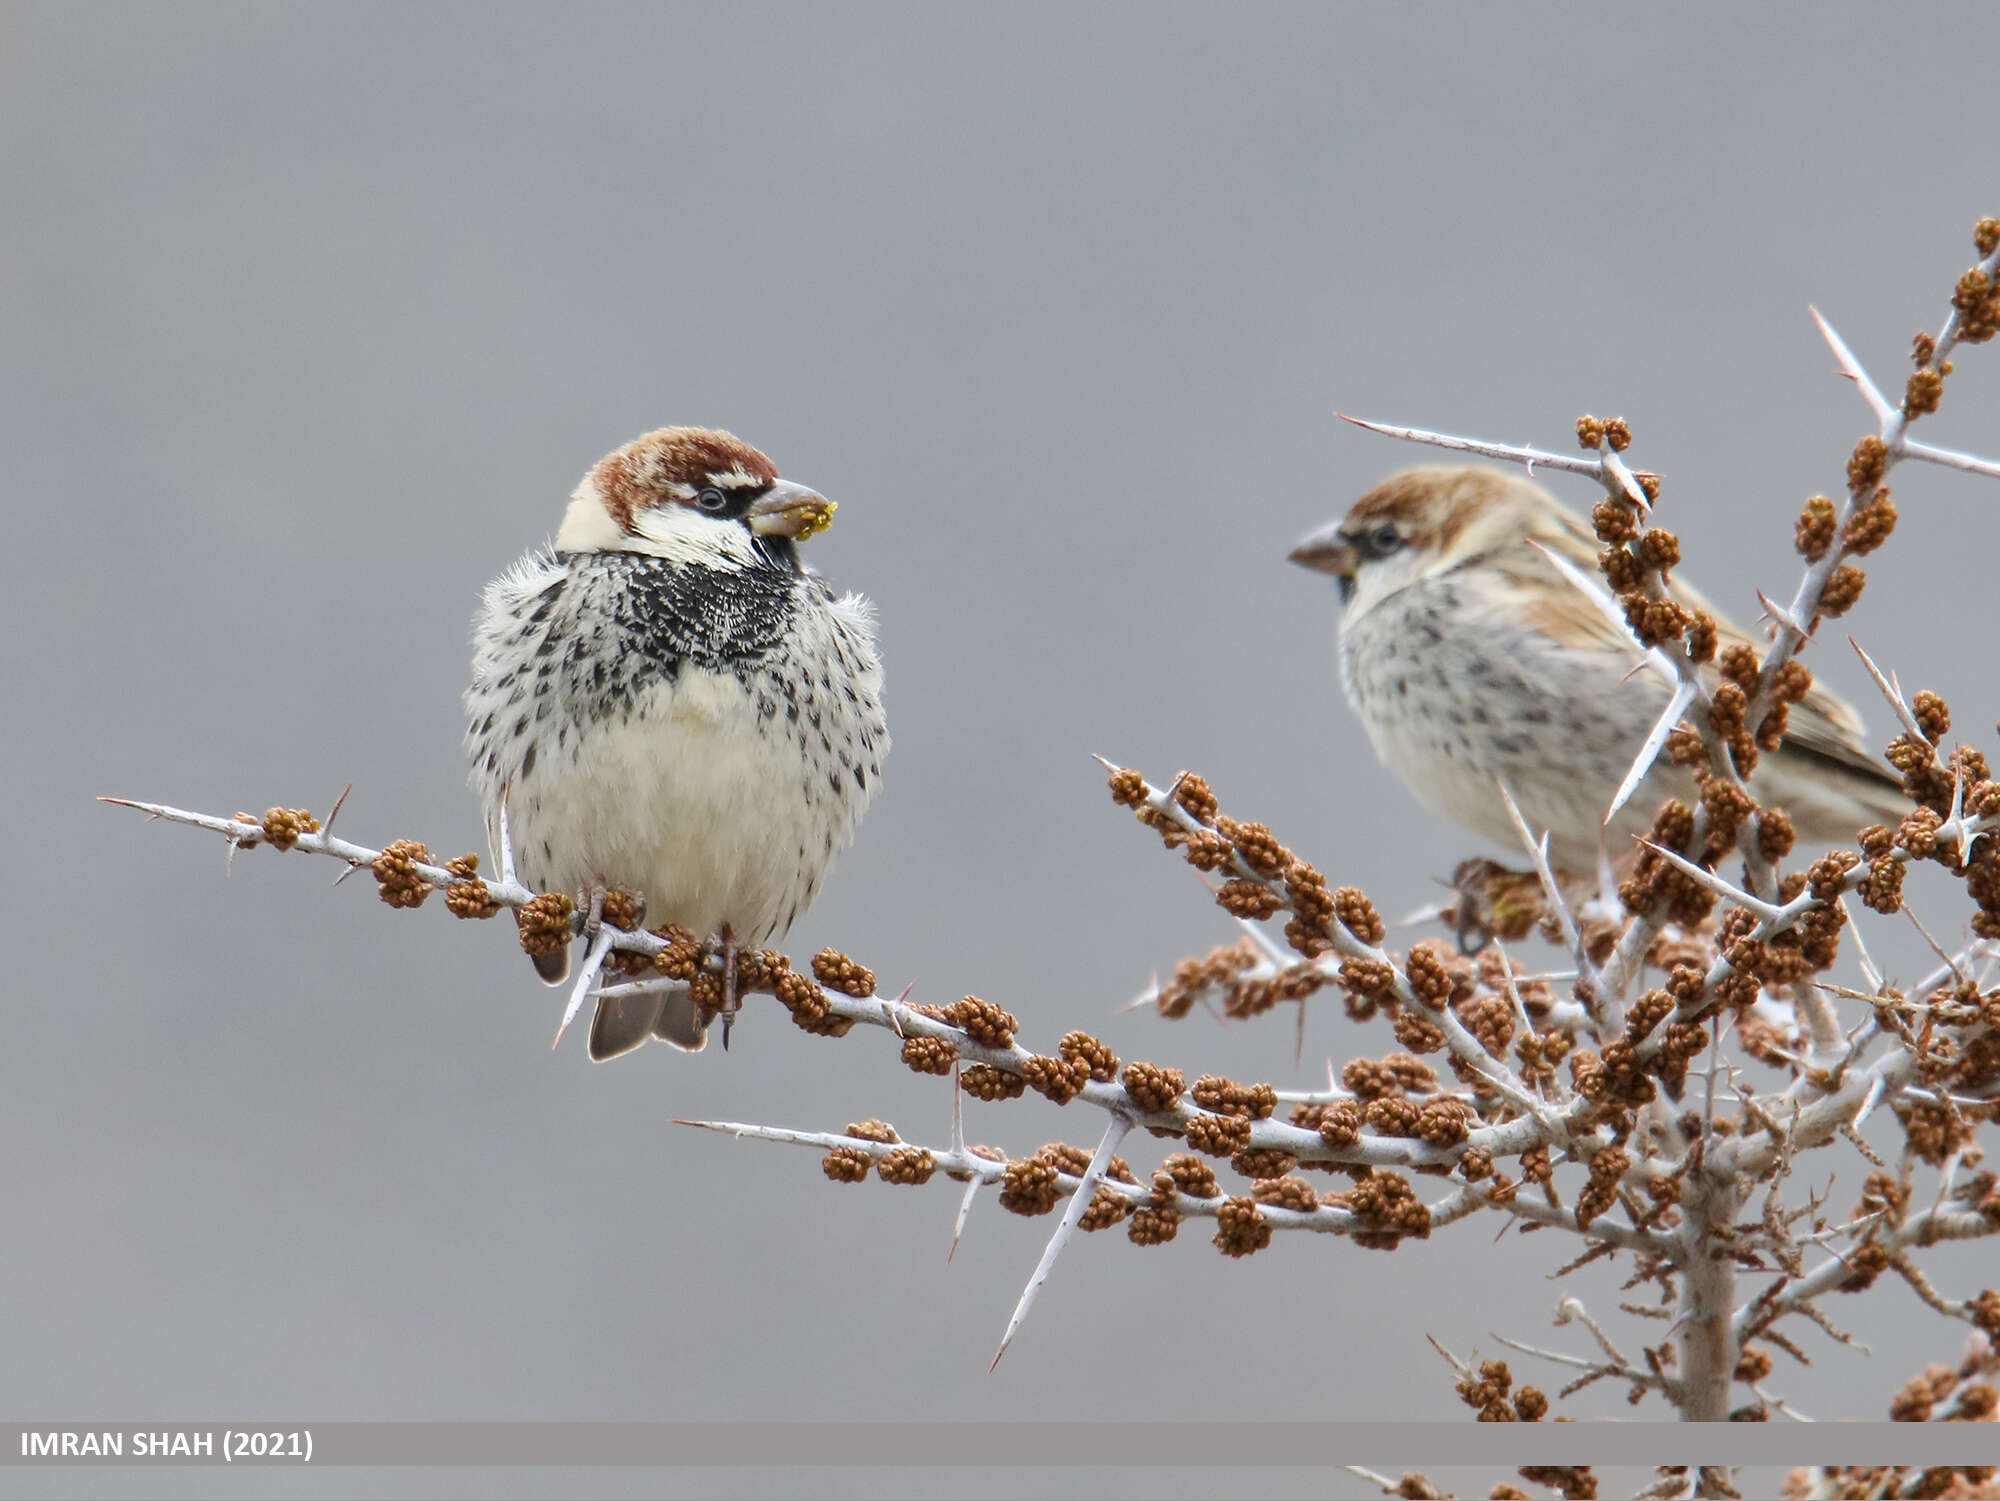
(730, 1002)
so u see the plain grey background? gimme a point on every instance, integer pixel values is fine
(314, 315)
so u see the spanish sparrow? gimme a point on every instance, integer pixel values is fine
(669, 703)
(1471, 658)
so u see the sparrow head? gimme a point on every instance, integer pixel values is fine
(1423, 522)
(695, 495)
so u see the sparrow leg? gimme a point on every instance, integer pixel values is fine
(590, 902)
(729, 1001)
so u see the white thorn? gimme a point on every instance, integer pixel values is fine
(1086, 1190)
(592, 963)
(1650, 751)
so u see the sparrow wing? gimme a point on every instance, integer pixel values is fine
(1822, 726)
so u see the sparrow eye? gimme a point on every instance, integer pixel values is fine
(1384, 540)
(711, 499)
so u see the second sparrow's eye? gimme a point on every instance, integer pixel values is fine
(711, 499)
(1384, 540)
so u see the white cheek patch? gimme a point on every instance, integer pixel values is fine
(687, 536)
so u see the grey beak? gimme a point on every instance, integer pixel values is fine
(1327, 551)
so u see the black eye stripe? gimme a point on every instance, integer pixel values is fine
(736, 498)
(1376, 542)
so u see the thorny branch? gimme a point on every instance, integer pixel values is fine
(1564, 1111)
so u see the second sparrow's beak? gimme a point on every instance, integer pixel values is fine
(1326, 551)
(789, 510)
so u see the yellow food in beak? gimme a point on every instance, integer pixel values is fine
(790, 511)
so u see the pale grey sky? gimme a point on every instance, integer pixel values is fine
(315, 315)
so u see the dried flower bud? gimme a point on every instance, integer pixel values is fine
(470, 899)
(1218, 1135)
(1866, 465)
(836, 971)
(1053, 1078)
(1842, 590)
(1194, 794)
(929, 1055)
(1240, 1228)
(909, 1166)
(1870, 525)
(845, 1165)
(398, 883)
(1248, 899)
(1028, 1187)
(984, 1082)
(544, 923)
(1358, 914)
(1152, 1088)
(1932, 714)
(1921, 394)
(1086, 1053)
(1660, 549)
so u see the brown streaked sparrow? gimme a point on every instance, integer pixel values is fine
(1471, 658)
(668, 703)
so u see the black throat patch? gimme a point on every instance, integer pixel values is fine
(638, 618)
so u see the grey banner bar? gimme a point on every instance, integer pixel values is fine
(902, 1444)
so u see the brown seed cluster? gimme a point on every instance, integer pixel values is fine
(1241, 1229)
(1870, 525)
(1977, 300)
(1089, 1057)
(1153, 1225)
(623, 910)
(982, 1021)
(1256, 844)
(282, 827)
(1601, 1192)
(906, 1165)
(1843, 590)
(1193, 977)
(1028, 1186)
(984, 1082)
(836, 971)
(1152, 1088)
(470, 899)
(397, 881)
(1391, 1206)
(1340, 1125)
(1217, 1135)
(928, 1055)
(1286, 1193)
(1248, 899)
(1226, 1097)
(1418, 1035)
(544, 923)
(1920, 1394)
(1263, 1162)
(1183, 1172)
(1818, 524)
(1053, 1079)
(1358, 914)
(797, 994)
(846, 1165)
(1658, 889)
(1107, 1207)
(1489, 1396)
